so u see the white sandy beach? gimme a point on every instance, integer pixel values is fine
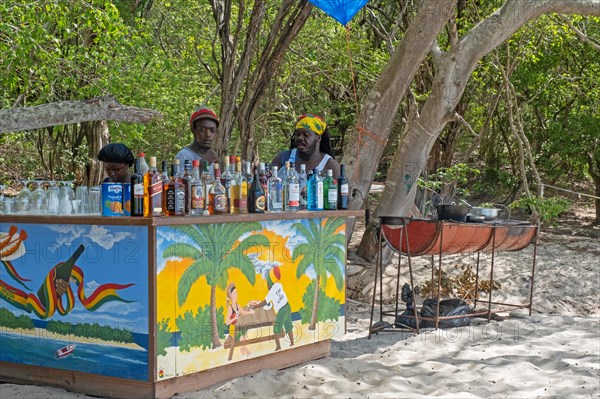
(553, 353)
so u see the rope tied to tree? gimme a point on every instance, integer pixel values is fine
(359, 127)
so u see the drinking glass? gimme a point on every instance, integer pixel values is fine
(39, 201)
(65, 205)
(24, 200)
(8, 206)
(53, 194)
(94, 197)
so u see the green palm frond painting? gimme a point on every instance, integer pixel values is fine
(324, 250)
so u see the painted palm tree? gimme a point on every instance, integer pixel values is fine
(325, 251)
(216, 248)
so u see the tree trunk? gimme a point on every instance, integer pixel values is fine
(238, 79)
(313, 318)
(367, 140)
(594, 167)
(453, 72)
(216, 342)
(98, 136)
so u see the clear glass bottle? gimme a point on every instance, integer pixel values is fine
(302, 183)
(144, 168)
(217, 195)
(196, 190)
(292, 190)
(207, 182)
(315, 192)
(241, 198)
(275, 192)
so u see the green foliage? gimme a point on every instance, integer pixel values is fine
(91, 331)
(451, 182)
(163, 337)
(329, 308)
(196, 329)
(548, 208)
(9, 320)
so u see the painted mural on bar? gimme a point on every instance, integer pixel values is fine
(72, 297)
(236, 291)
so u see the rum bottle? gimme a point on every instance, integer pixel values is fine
(256, 195)
(217, 195)
(153, 187)
(137, 190)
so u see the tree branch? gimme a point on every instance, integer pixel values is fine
(69, 112)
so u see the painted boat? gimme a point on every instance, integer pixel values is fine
(430, 237)
(65, 350)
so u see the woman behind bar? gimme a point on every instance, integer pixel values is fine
(116, 159)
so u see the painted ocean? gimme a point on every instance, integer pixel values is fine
(87, 357)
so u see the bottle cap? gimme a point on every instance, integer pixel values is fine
(195, 163)
(141, 154)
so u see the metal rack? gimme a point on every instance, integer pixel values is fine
(410, 237)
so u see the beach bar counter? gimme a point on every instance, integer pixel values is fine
(159, 306)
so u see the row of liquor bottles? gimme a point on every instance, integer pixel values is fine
(232, 189)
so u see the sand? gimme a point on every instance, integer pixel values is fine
(555, 352)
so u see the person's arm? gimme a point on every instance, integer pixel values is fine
(334, 166)
(256, 304)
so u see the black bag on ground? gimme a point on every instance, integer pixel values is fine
(402, 320)
(448, 307)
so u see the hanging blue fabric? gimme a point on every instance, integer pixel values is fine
(341, 10)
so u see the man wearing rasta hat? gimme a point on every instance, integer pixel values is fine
(277, 299)
(116, 159)
(310, 145)
(204, 123)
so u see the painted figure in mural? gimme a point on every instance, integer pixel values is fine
(234, 310)
(277, 299)
(204, 123)
(310, 145)
(116, 159)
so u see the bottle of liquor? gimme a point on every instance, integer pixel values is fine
(315, 192)
(226, 178)
(137, 190)
(292, 190)
(330, 191)
(217, 195)
(275, 192)
(343, 189)
(196, 190)
(153, 187)
(241, 198)
(302, 181)
(283, 175)
(263, 179)
(144, 168)
(174, 193)
(248, 173)
(165, 172)
(207, 182)
(233, 192)
(185, 178)
(62, 272)
(256, 195)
